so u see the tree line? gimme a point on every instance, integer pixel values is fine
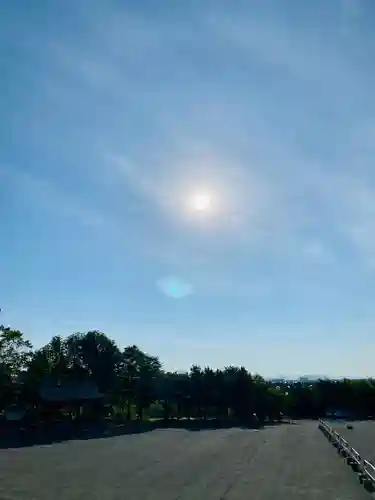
(135, 385)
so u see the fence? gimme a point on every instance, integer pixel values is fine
(365, 468)
(369, 470)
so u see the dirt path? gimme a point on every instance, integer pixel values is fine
(283, 462)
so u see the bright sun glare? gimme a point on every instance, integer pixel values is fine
(201, 202)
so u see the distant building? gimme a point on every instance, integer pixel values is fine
(69, 392)
(76, 398)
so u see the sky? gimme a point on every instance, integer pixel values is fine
(192, 177)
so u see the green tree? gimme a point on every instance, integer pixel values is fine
(15, 352)
(96, 355)
(137, 378)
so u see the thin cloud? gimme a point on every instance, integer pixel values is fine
(351, 12)
(352, 204)
(39, 190)
(245, 203)
(303, 55)
(319, 253)
(262, 218)
(232, 288)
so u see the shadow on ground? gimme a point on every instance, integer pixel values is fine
(57, 433)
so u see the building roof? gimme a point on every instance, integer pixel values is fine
(69, 391)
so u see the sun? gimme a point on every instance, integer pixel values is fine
(201, 202)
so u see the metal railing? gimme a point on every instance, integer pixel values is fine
(369, 470)
(365, 468)
(356, 457)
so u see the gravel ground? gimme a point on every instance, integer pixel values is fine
(283, 462)
(361, 437)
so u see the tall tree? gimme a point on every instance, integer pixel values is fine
(96, 355)
(138, 375)
(15, 352)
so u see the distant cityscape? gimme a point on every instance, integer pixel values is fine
(305, 379)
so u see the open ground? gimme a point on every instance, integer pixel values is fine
(287, 462)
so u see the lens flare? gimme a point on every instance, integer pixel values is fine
(174, 287)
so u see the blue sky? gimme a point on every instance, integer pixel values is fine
(114, 115)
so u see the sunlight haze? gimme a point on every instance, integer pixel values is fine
(193, 177)
(201, 202)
